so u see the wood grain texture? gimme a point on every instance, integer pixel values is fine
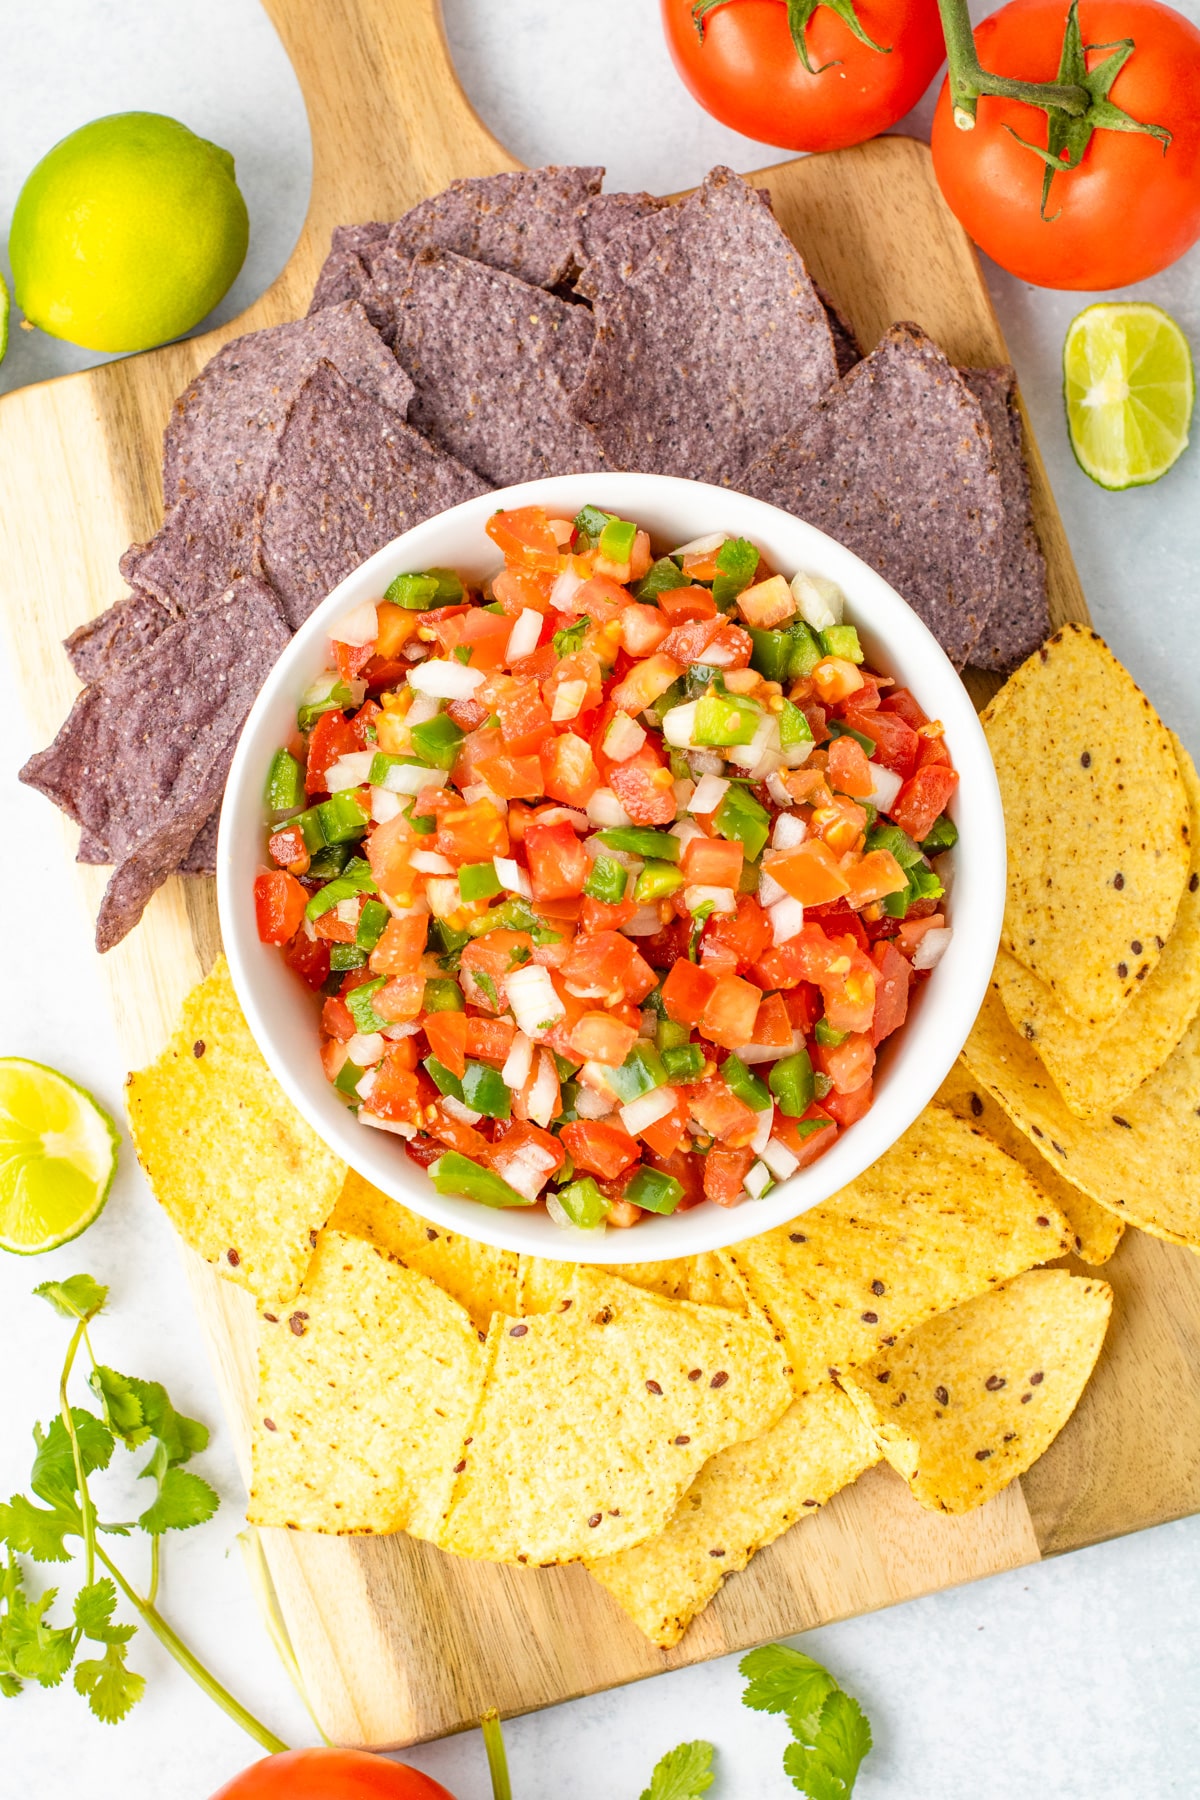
(396, 1641)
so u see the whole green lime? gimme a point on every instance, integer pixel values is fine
(127, 233)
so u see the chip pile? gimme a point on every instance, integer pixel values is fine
(658, 1422)
(516, 326)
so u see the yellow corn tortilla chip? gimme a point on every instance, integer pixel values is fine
(942, 1216)
(967, 1402)
(542, 1284)
(1093, 1070)
(598, 1417)
(668, 1278)
(712, 1282)
(1096, 1232)
(242, 1177)
(1143, 1160)
(742, 1500)
(479, 1277)
(1097, 820)
(366, 1390)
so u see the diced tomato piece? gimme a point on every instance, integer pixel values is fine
(474, 833)
(601, 599)
(686, 643)
(561, 690)
(850, 1000)
(569, 773)
(809, 873)
(932, 750)
(558, 864)
(337, 1021)
(645, 682)
(892, 983)
(808, 1147)
(518, 589)
(484, 633)
(446, 1035)
(838, 919)
(524, 538)
(847, 1109)
(835, 679)
(805, 1006)
(598, 915)
(423, 1150)
(725, 1172)
(717, 958)
(747, 932)
(848, 768)
(682, 604)
(491, 956)
(395, 1094)
(840, 824)
(401, 946)
(730, 648)
(489, 1040)
(643, 629)
(873, 876)
(895, 740)
(388, 850)
(645, 788)
(772, 1026)
(477, 748)
(309, 959)
(521, 1136)
(279, 903)
(332, 736)
(599, 1146)
(335, 930)
(400, 999)
(351, 659)
(605, 966)
(598, 1037)
(287, 846)
(923, 798)
(664, 1135)
(848, 1064)
(559, 912)
(668, 946)
(524, 718)
(456, 1134)
(902, 702)
(702, 565)
(713, 862)
(686, 992)
(717, 1110)
(728, 1018)
(913, 929)
(512, 777)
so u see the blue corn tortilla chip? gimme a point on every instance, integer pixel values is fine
(492, 361)
(346, 271)
(525, 222)
(897, 463)
(349, 477)
(1021, 619)
(141, 762)
(846, 348)
(117, 635)
(205, 543)
(611, 235)
(711, 345)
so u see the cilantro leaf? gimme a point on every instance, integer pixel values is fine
(183, 1500)
(123, 1410)
(30, 1648)
(571, 637)
(784, 1681)
(111, 1688)
(181, 1436)
(53, 1477)
(486, 986)
(831, 1732)
(93, 1613)
(683, 1773)
(38, 1533)
(78, 1297)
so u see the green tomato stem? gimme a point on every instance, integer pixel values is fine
(493, 1743)
(968, 80)
(191, 1664)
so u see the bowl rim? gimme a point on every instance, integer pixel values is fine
(916, 1061)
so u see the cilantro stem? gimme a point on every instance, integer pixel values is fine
(190, 1664)
(968, 80)
(152, 1595)
(86, 1508)
(493, 1743)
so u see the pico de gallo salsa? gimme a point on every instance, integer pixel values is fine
(613, 871)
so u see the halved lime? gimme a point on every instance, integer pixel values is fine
(58, 1156)
(1129, 388)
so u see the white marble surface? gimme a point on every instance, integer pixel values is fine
(1074, 1680)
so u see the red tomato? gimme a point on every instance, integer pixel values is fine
(644, 787)
(446, 1034)
(279, 903)
(337, 1021)
(923, 799)
(686, 992)
(847, 1109)
(606, 967)
(558, 864)
(713, 862)
(569, 772)
(524, 718)
(309, 959)
(728, 1018)
(598, 915)
(490, 1040)
(401, 946)
(525, 538)
(332, 736)
(747, 932)
(719, 1111)
(332, 1774)
(848, 1064)
(662, 1139)
(473, 833)
(994, 183)
(773, 1027)
(678, 605)
(746, 71)
(901, 701)
(599, 1146)
(895, 740)
(813, 1144)
(892, 983)
(512, 777)
(724, 1173)
(849, 770)
(599, 1037)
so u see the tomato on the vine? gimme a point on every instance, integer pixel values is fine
(331, 1775)
(739, 60)
(1132, 205)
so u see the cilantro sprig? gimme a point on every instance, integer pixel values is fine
(682, 1774)
(830, 1730)
(78, 1443)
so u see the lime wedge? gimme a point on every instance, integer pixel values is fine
(1129, 388)
(58, 1156)
(3, 318)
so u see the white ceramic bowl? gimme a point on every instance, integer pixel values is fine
(283, 1015)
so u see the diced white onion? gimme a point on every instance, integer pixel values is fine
(710, 792)
(683, 787)
(820, 600)
(522, 639)
(349, 771)
(423, 708)
(777, 791)
(706, 762)
(479, 790)
(638, 1115)
(409, 778)
(887, 785)
(399, 1127)
(766, 737)
(526, 1168)
(384, 806)
(366, 1086)
(443, 895)
(762, 1130)
(684, 831)
(702, 545)
(779, 1159)
(932, 947)
(358, 627)
(644, 923)
(415, 651)
(517, 1063)
(458, 1109)
(769, 890)
(590, 1103)
(624, 738)
(513, 877)
(309, 929)
(445, 680)
(566, 585)
(679, 724)
(722, 899)
(787, 918)
(761, 1053)
(346, 911)
(720, 656)
(789, 831)
(569, 697)
(605, 811)
(758, 1180)
(402, 1029)
(536, 1007)
(365, 1048)
(429, 862)
(543, 1094)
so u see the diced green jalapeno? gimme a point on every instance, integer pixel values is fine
(725, 720)
(654, 1191)
(749, 878)
(383, 761)
(329, 861)
(342, 817)
(453, 1173)
(424, 824)
(347, 1079)
(656, 881)
(355, 878)
(822, 1085)
(746, 1086)
(309, 825)
(638, 840)
(806, 652)
(700, 676)
(923, 884)
(943, 836)
(826, 1035)
(771, 654)
(478, 881)
(841, 640)
(362, 1011)
(683, 1062)
(417, 593)
(668, 1035)
(437, 741)
(346, 956)
(675, 696)
(794, 728)
(443, 996)
(443, 1079)
(589, 522)
(616, 540)
(838, 728)
(371, 923)
(607, 881)
(742, 820)
(806, 1127)
(660, 576)
(328, 693)
(640, 1073)
(737, 560)
(484, 1090)
(791, 1081)
(583, 1203)
(285, 783)
(564, 1065)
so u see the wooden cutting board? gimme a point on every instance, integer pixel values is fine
(396, 1641)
